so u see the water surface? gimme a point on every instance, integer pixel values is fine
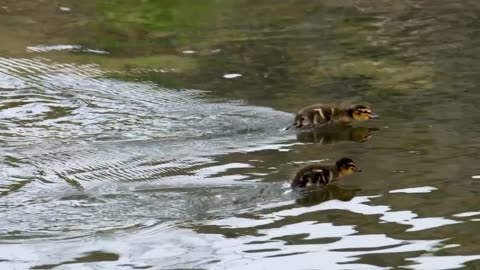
(148, 134)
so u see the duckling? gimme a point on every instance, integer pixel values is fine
(323, 114)
(318, 174)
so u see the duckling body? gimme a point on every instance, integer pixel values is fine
(319, 174)
(318, 115)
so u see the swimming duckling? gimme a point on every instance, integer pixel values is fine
(318, 174)
(323, 114)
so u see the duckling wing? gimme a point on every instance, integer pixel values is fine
(304, 176)
(323, 176)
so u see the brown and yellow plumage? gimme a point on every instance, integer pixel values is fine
(318, 174)
(317, 115)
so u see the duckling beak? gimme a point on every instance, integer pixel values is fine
(374, 116)
(356, 169)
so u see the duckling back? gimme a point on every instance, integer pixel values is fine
(321, 114)
(313, 175)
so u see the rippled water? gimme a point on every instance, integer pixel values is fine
(137, 144)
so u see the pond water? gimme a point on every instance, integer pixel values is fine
(148, 134)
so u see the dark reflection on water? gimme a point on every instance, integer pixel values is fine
(148, 134)
(335, 134)
(331, 192)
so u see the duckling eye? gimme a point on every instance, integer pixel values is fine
(361, 112)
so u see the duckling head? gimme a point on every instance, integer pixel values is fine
(346, 166)
(361, 113)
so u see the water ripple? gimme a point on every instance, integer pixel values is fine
(44, 100)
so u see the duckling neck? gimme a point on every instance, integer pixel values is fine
(335, 173)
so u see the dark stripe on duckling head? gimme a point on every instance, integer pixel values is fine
(343, 161)
(355, 108)
(361, 112)
(346, 166)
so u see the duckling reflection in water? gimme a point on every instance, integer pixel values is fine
(318, 115)
(335, 133)
(330, 192)
(319, 174)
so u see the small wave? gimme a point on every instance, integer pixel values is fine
(71, 48)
